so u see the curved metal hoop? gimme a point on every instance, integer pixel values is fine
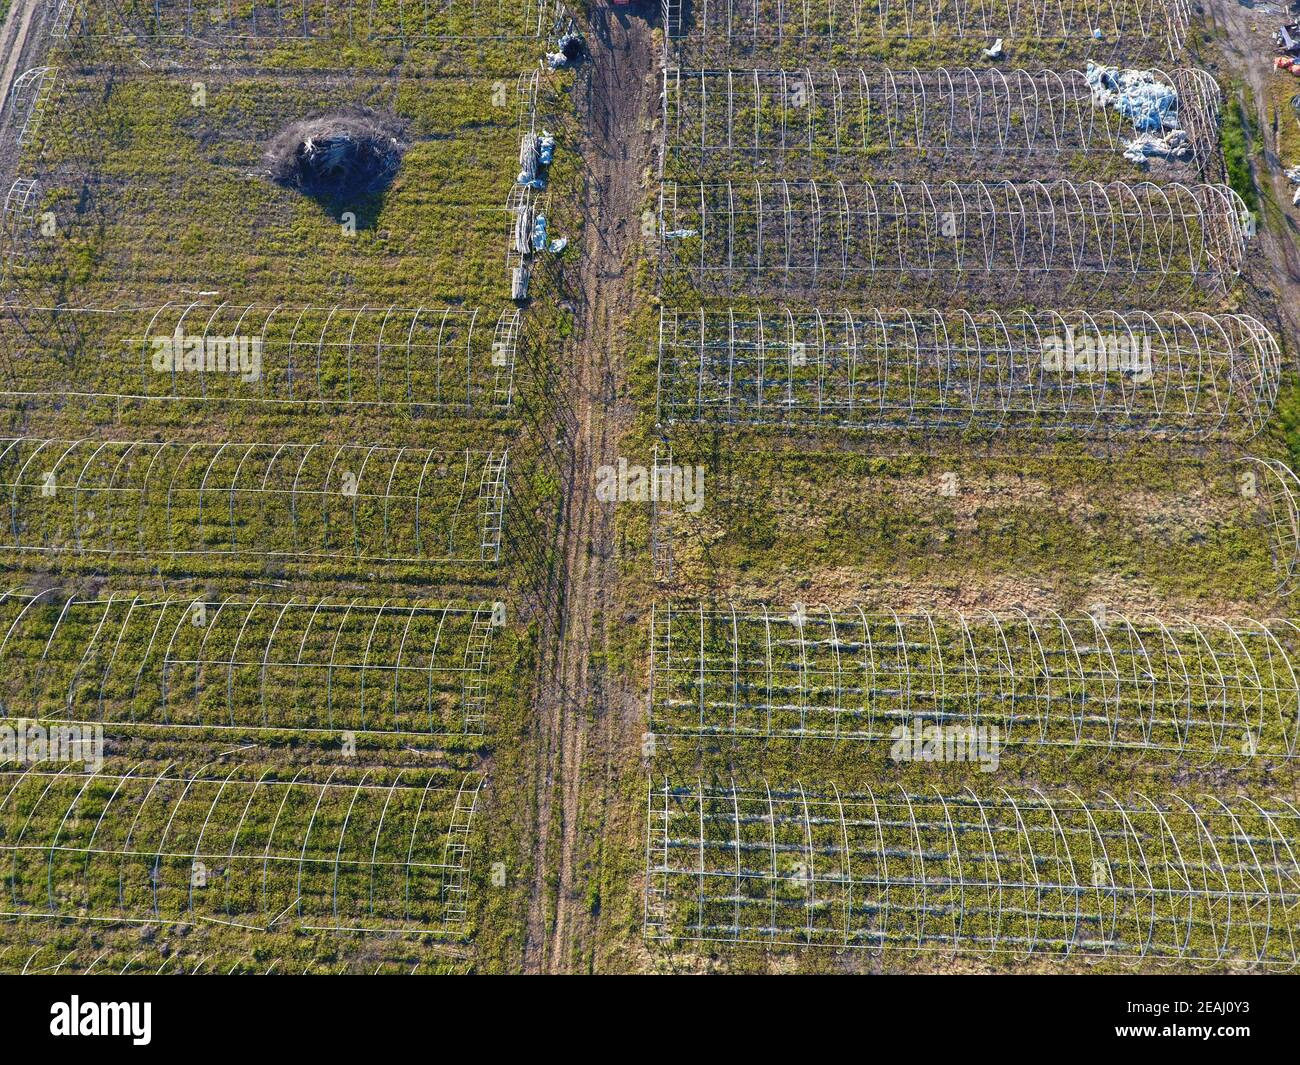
(28, 98)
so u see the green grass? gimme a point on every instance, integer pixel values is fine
(157, 199)
(1238, 136)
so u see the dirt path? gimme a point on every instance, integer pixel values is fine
(1243, 39)
(615, 97)
(13, 42)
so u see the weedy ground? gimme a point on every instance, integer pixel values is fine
(157, 200)
(153, 175)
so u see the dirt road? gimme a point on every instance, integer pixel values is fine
(1243, 38)
(577, 734)
(13, 42)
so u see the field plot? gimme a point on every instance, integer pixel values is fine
(267, 402)
(369, 503)
(1104, 375)
(953, 431)
(152, 191)
(848, 121)
(828, 28)
(986, 874)
(964, 352)
(228, 22)
(295, 664)
(213, 954)
(455, 360)
(1139, 242)
(253, 851)
(1117, 682)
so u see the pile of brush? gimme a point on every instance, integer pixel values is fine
(340, 157)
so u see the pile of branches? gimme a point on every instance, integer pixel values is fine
(343, 156)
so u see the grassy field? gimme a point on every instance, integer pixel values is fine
(313, 646)
(334, 681)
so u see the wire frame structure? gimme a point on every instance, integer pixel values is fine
(28, 97)
(806, 122)
(733, 237)
(452, 359)
(1275, 488)
(228, 22)
(732, 27)
(216, 846)
(984, 874)
(60, 16)
(297, 664)
(1097, 374)
(311, 501)
(18, 220)
(1112, 682)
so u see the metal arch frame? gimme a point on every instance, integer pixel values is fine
(1138, 684)
(505, 343)
(442, 652)
(452, 362)
(117, 470)
(990, 874)
(519, 227)
(28, 97)
(1068, 373)
(457, 854)
(18, 218)
(1020, 111)
(197, 805)
(526, 88)
(1195, 233)
(1200, 101)
(739, 27)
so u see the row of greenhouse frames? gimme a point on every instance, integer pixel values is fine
(20, 959)
(225, 22)
(1159, 878)
(836, 120)
(1201, 689)
(255, 500)
(252, 664)
(315, 846)
(1192, 376)
(1134, 240)
(450, 359)
(347, 851)
(818, 273)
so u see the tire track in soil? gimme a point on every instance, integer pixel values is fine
(614, 96)
(13, 43)
(1244, 43)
